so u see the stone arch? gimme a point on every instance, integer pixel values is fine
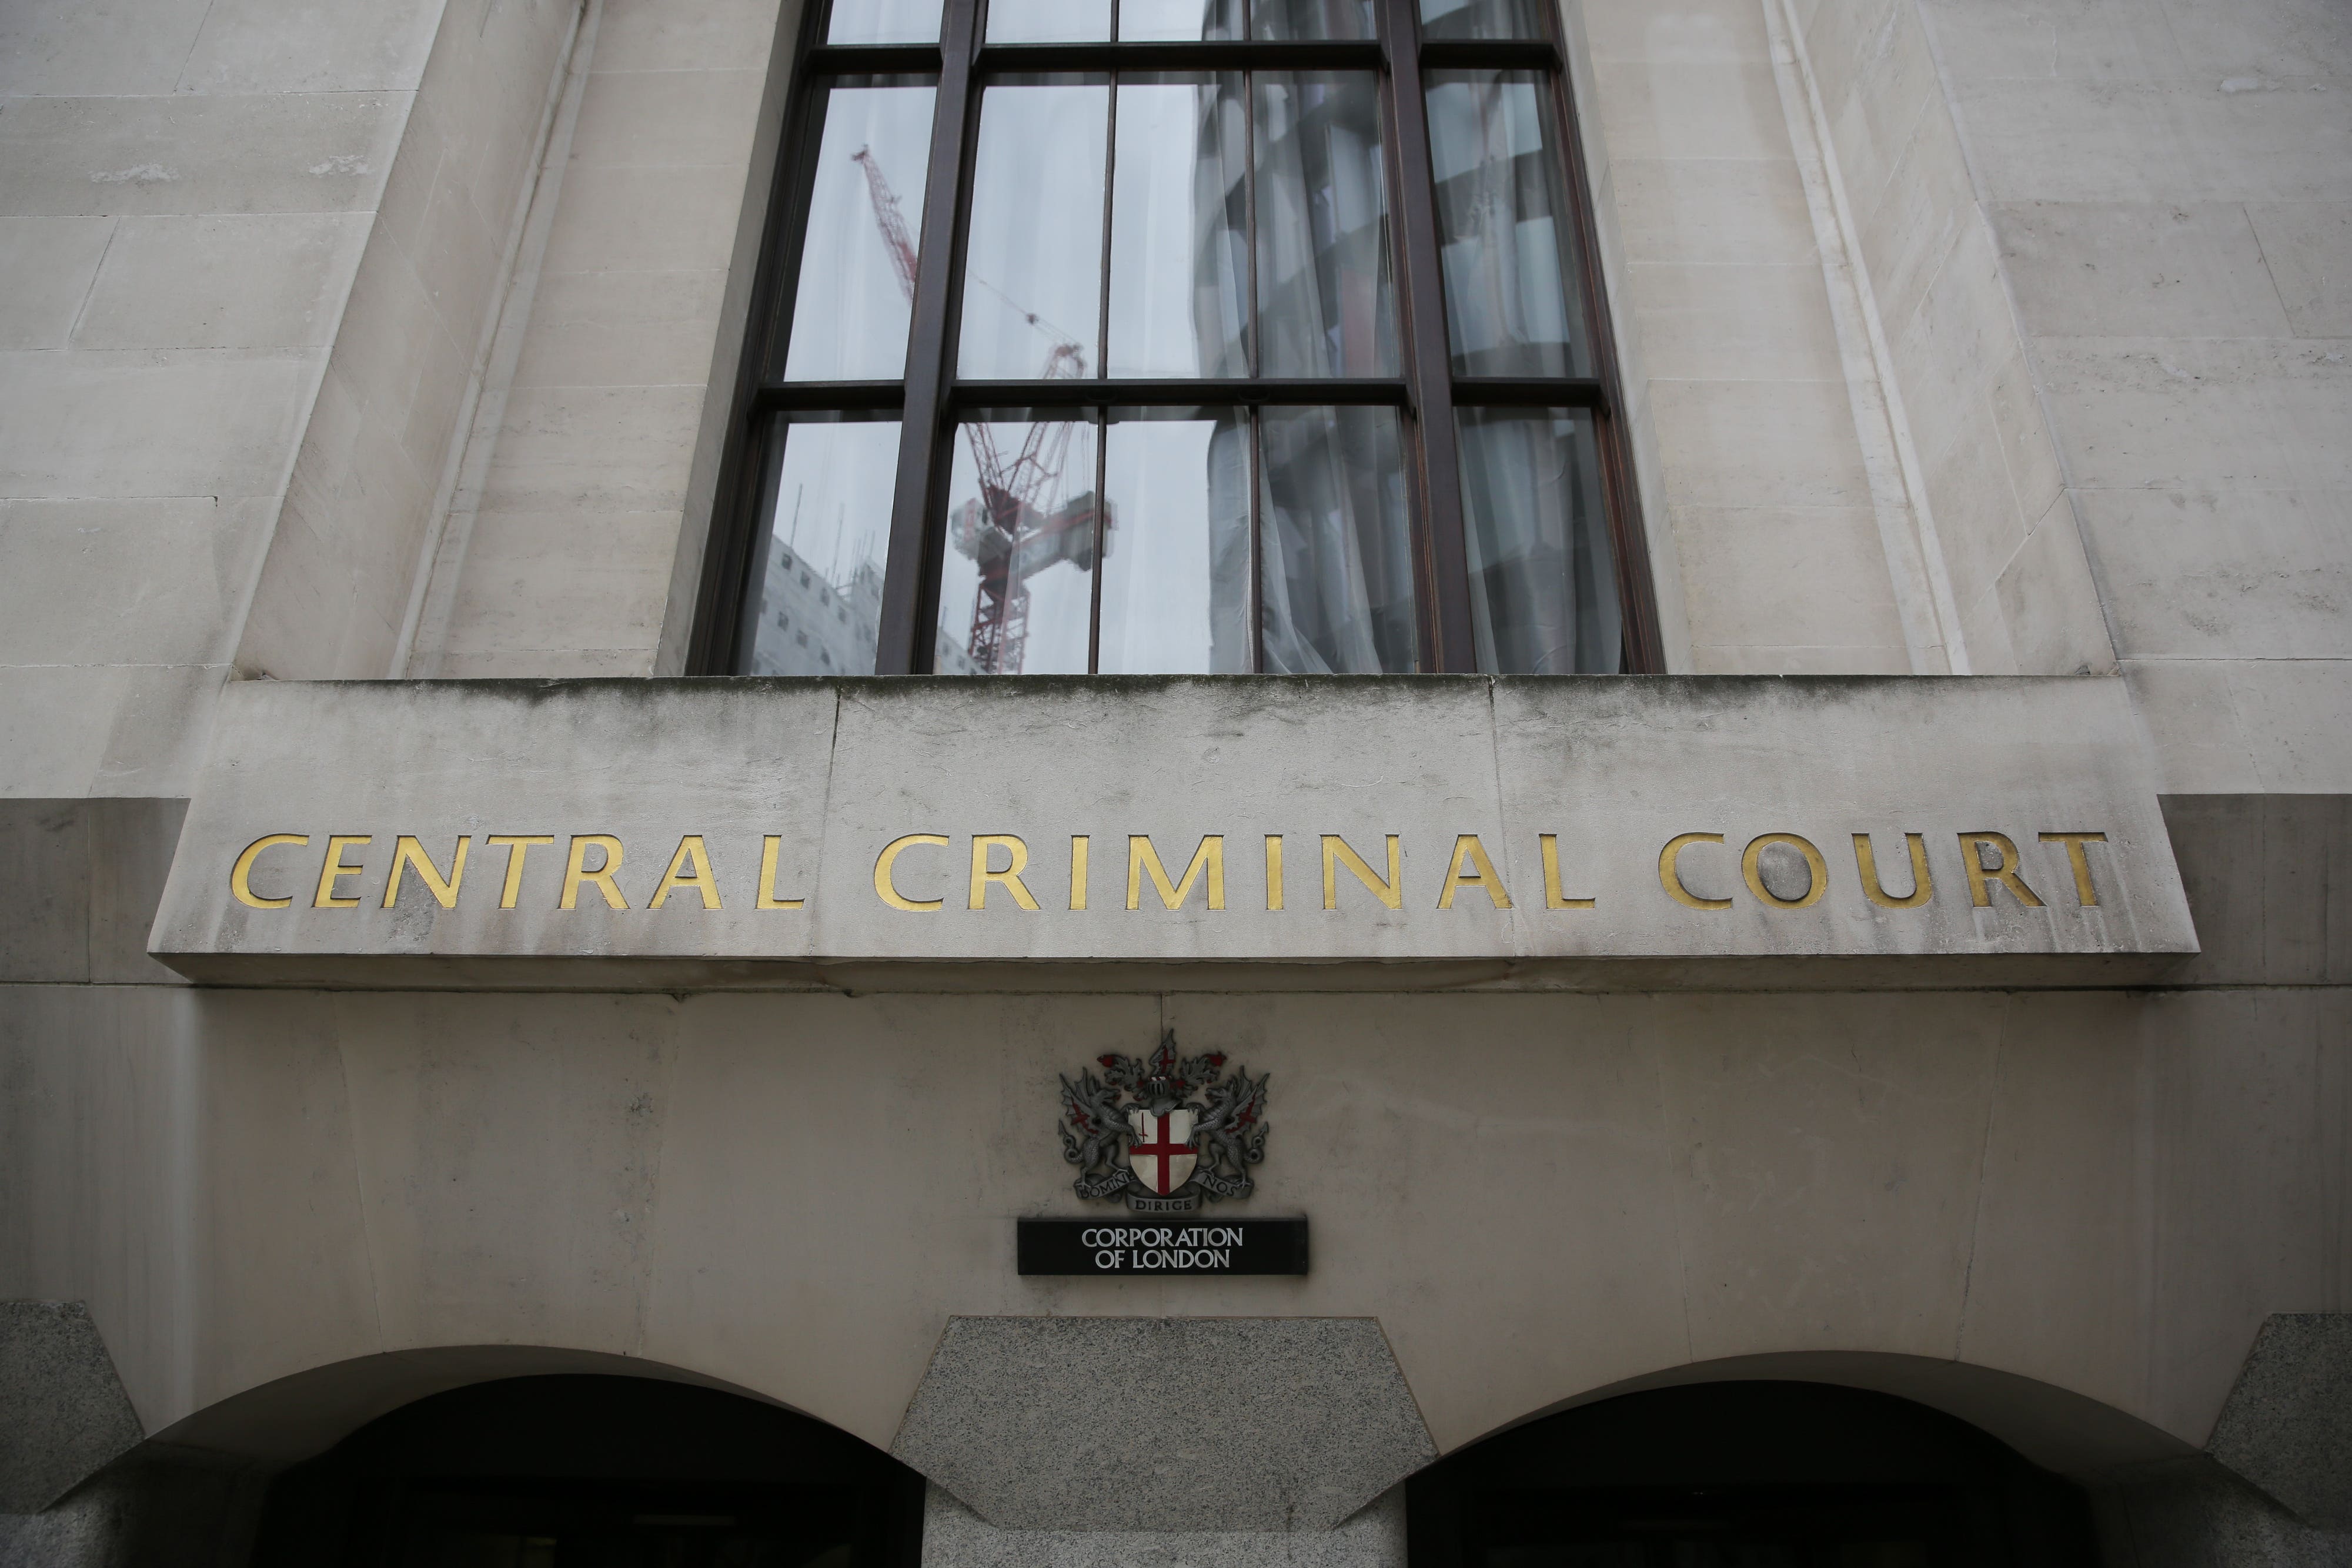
(220, 1473)
(579, 1449)
(2056, 1428)
(299, 1416)
(1748, 1462)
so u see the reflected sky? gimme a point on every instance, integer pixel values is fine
(1048, 21)
(1033, 277)
(850, 312)
(1175, 594)
(882, 22)
(1178, 247)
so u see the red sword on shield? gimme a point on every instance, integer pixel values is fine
(1162, 1149)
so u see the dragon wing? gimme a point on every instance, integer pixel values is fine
(1235, 1102)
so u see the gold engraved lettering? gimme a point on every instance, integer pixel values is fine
(771, 848)
(1482, 874)
(886, 886)
(576, 870)
(1980, 875)
(1670, 876)
(1142, 859)
(1017, 855)
(1553, 898)
(1079, 844)
(1751, 870)
(692, 853)
(2084, 894)
(1274, 872)
(1337, 853)
(333, 871)
(240, 875)
(406, 852)
(518, 846)
(1923, 883)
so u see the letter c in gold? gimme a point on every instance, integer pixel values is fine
(887, 889)
(1670, 876)
(240, 875)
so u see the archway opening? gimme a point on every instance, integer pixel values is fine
(594, 1471)
(1746, 1475)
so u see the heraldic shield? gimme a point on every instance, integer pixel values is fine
(1162, 1156)
(1166, 1133)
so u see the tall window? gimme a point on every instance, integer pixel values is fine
(1168, 335)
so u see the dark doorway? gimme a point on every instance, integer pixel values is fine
(1746, 1475)
(593, 1472)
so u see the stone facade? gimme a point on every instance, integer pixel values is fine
(394, 343)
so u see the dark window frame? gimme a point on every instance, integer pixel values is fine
(928, 398)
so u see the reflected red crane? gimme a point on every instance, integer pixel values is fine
(1009, 532)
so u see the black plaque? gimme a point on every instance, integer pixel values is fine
(1143, 1244)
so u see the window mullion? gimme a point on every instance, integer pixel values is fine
(1637, 594)
(905, 635)
(1102, 370)
(1253, 362)
(1429, 367)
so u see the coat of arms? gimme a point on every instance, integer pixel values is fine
(1164, 1131)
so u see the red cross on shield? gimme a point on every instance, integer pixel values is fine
(1162, 1156)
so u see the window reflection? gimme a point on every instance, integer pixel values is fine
(816, 605)
(1311, 18)
(1543, 578)
(1024, 529)
(1175, 591)
(1483, 19)
(1141, 21)
(1336, 562)
(1504, 225)
(1179, 256)
(1032, 273)
(1183, 228)
(882, 22)
(1327, 297)
(1048, 21)
(851, 309)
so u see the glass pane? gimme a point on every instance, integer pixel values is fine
(1327, 299)
(817, 600)
(1048, 21)
(1336, 564)
(1543, 578)
(1175, 593)
(1513, 304)
(882, 22)
(1167, 20)
(1033, 268)
(1016, 589)
(1483, 19)
(1179, 233)
(857, 259)
(1311, 18)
